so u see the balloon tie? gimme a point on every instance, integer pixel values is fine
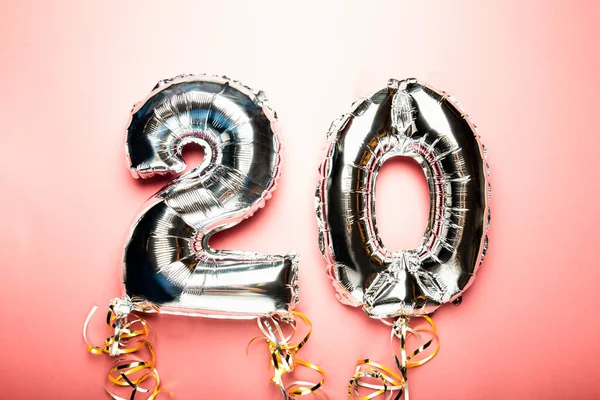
(284, 355)
(130, 335)
(392, 384)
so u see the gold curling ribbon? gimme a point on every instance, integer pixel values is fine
(392, 382)
(283, 356)
(130, 335)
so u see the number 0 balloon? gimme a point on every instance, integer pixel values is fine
(168, 265)
(409, 119)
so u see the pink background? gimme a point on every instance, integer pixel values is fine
(526, 71)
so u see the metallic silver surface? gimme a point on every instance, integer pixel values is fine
(408, 119)
(167, 260)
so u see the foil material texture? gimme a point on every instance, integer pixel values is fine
(405, 119)
(167, 260)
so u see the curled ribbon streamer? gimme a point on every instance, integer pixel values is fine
(393, 385)
(130, 335)
(283, 356)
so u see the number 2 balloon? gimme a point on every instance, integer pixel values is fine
(168, 265)
(168, 261)
(407, 119)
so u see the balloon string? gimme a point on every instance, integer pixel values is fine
(284, 356)
(393, 384)
(130, 335)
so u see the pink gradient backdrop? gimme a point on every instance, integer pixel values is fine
(526, 71)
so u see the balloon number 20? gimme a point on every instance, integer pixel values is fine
(167, 260)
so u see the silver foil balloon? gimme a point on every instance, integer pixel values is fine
(409, 119)
(168, 261)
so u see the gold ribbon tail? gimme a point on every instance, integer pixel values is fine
(379, 380)
(400, 329)
(284, 357)
(130, 334)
